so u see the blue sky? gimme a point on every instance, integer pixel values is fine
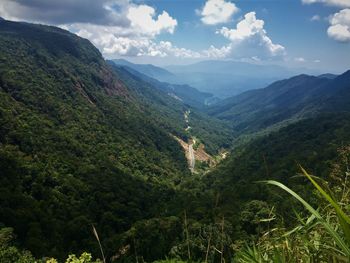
(295, 33)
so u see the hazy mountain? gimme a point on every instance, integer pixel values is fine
(147, 69)
(228, 78)
(291, 99)
(328, 76)
(184, 93)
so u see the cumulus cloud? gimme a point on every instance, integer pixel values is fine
(315, 18)
(116, 27)
(300, 59)
(166, 48)
(340, 3)
(66, 11)
(125, 28)
(114, 41)
(217, 11)
(142, 20)
(249, 39)
(340, 26)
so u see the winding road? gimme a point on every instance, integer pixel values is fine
(191, 157)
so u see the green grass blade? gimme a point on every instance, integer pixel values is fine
(338, 240)
(343, 218)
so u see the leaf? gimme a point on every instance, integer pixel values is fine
(337, 239)
(343, 218)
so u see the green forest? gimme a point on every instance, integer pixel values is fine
(90, 170)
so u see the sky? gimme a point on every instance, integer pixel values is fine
(312, 34)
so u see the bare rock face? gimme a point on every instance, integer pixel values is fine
(111, 84)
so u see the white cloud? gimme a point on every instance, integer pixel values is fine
(340, 3)
(216, 53)
(65, 11)
(249, 39)
(115, 41)
(340, 26)
(142, 20)
(217, 11)
(166, 48)
(317, 61)
(139, 38)
(315, 18)
(124, 28)
(116, 27)
(300, 59)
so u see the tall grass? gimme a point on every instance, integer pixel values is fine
(324, 236)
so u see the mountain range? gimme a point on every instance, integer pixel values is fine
(230, 77)
(292, 99)
(184, 93)
(146, 69)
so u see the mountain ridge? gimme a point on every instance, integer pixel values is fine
(297, 97)
(230, 77)
(185, 93)
(146, 69)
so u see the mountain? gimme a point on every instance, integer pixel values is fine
(146, 69)
(83, 143)
(184, 93)
(228, 78)
(328, 76)
(284, 101)
(169, 112)
(314, 143)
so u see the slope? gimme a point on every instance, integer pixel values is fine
(184, 93)
(146, 69)
(82, 143)
(284, 101)
(76, 146)
(169, 113)
(312, 143)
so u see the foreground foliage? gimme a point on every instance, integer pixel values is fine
(323, 236)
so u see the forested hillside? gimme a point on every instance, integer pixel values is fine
(287, 100)
(77, 138)
(169, 112)
(184, 93)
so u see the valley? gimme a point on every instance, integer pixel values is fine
(173, 164)
(199, 155)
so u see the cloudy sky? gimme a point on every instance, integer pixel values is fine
(296, 33)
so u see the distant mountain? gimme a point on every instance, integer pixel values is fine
(184, 93)
(328, 76)
(146, 69)
(287, 100)
(228, 78)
